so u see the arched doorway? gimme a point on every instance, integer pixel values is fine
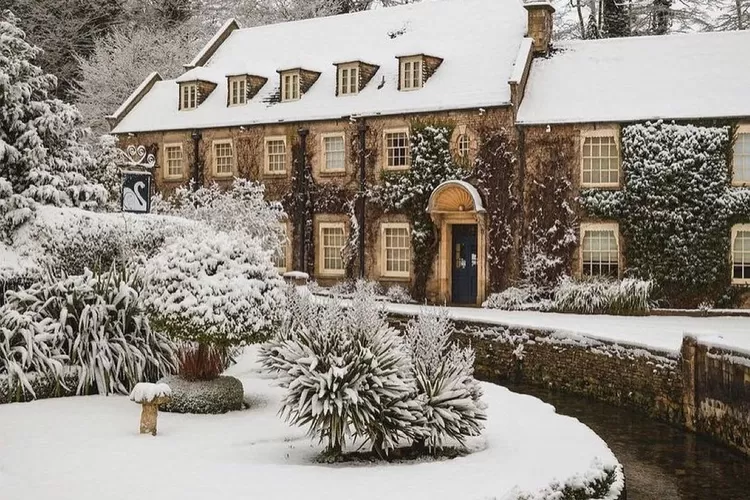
(458, 212)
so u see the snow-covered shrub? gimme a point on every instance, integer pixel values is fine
(346, 373)
(15, 209)
(630, 296)
(511, 299)
(398, 295)
(444, 373)
(240, 208)
(675, 209)
(91, 324)
(42, 155)
(220, 289)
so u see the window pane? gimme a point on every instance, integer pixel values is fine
(173, 156)
(223, 158)
(600, 161)
(741, 255)
(334, 153)
(276, 156)
(741, 161)
(397, 250)
(601, 254)
(333, 242)
(397, 149)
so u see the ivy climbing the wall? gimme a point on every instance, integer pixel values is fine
(408, 192)
(676, 209)
(497, 180)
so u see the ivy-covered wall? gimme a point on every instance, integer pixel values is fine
(675, 210)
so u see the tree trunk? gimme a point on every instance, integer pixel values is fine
(580, 19)
(740, 23)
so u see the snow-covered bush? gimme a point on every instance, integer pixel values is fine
(398, 295)
(444, 373)
(42, 155)
(91, 325)
(512, 299)
(15, 209)
(675, 209)
(70, 239)
(219, 288)
(630, 296)
(241, 208)
(346, 373)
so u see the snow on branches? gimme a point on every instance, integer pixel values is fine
(218, 289)
(349, 375)
(676, 208)
(41, 153)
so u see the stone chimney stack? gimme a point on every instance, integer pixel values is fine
(540, 25)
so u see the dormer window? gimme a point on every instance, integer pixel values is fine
(411, 73)
(290, 88)
(349, 79)
(237, 91)
(189, 96)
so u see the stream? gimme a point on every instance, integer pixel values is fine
(661, 462)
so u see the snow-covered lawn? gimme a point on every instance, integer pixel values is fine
(663, 333)
(88, 448)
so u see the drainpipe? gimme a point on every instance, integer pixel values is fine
(521, 183)
(302, 197)
(362, 131)
(197, 167)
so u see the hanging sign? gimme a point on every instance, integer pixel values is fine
(136, 192)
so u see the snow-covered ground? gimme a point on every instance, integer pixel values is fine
(88, 448)
(663, 333)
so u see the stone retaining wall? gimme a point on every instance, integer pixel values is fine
(703, 388)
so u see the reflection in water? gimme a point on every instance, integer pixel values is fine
(661, 462)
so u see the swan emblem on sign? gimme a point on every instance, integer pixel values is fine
(133, 200)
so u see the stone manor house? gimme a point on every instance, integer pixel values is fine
(343, 93)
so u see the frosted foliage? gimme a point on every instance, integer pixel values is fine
(41, 153)
(444, 373)
(92, 325)
(602, 296)
(15, 209)
(347, 373)
(217, 288)
(398, 295)
(240, 208)
(511, 299)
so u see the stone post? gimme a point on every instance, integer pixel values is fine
(688, 354)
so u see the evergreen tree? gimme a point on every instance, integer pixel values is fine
(592, 28)
(661, 17)
(615, 21)
(41, 153)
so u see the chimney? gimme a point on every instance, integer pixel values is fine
(540, 25)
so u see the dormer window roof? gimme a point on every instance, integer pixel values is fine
(415, 70)
(296, 82)
(242, 88)
(353, 76)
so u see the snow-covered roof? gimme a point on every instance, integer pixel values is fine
(478, 41)
(682, 76)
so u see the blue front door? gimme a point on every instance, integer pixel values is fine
(464, 283)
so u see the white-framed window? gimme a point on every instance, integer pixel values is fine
(348, 79)
(334, 153)
(741, 254)
(275, 161)
(281, 257)
(395, 249)
(600, 159)
(223, 158)
(332, 238)
(237, 91)
(741, 157)
(396, 149)
(411, 73)
(173, 161)
(463, 145)
(290, 86)
(600, 250)
(189, 97)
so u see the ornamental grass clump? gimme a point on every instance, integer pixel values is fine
(628, 297)
(91, 326)
(348, 375)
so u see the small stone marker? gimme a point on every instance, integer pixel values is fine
(297, 278)
(150, 396)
